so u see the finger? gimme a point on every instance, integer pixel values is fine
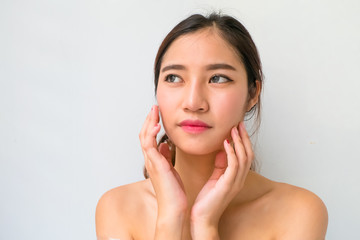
(239, 147)
(149, 140)
(233, 165)
(157, 161)
(154, 124)
(150, 124)
(247, 143)
(151, 119)
(242, 157)
(145, 126)
(220, 166)
(154, 116)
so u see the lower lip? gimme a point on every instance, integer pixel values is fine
(194, 129)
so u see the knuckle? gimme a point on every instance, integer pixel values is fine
(246, 160)
(235, 165)
(145, 146)
(227, 188)
(237, 140)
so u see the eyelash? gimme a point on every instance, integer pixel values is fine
(167, 78)
(221, 76)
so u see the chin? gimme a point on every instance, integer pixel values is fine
(200, 148)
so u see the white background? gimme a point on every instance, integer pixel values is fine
(76, 84)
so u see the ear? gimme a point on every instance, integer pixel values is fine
(254, 100)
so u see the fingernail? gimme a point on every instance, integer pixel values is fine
(227, 141)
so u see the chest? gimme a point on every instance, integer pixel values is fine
(247, 223)
(244, 223)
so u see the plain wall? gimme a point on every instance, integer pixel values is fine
(76, 84)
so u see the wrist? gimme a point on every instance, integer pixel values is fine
(201, 230)
(170, 219)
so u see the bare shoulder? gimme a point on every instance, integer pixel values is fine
(116, 209)
(301, 213)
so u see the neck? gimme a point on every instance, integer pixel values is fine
(194, 170)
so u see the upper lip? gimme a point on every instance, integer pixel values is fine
(194, 123)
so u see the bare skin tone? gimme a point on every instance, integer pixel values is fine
(210, 193)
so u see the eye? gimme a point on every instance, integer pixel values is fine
(219, 79)
(172, 78)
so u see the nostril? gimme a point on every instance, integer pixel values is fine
(195, 109)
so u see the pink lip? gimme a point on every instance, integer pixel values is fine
(194, 126)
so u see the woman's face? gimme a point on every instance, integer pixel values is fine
(202, 92)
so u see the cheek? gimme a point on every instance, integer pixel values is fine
(231, 108)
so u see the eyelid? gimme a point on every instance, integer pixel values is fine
(170, 74)
(223, 76)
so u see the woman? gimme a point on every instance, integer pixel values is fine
(201, 181)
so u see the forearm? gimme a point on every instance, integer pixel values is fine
(169, 227)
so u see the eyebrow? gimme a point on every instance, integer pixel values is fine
(173, 67)
(220, 66)
(208, 67)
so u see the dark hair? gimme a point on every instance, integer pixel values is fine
(236, 35)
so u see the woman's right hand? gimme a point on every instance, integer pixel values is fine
(168, 187)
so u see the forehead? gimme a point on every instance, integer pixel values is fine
(202, 47)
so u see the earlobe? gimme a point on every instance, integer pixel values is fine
(250, 109)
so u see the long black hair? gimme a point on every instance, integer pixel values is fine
(235, 34)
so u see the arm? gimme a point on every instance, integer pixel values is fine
(168, 187)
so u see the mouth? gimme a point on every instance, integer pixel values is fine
(194, 126)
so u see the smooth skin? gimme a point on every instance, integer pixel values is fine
(210, 193)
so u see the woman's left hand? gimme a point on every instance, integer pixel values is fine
(226, 181)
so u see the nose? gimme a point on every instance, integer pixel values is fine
(195, 97)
